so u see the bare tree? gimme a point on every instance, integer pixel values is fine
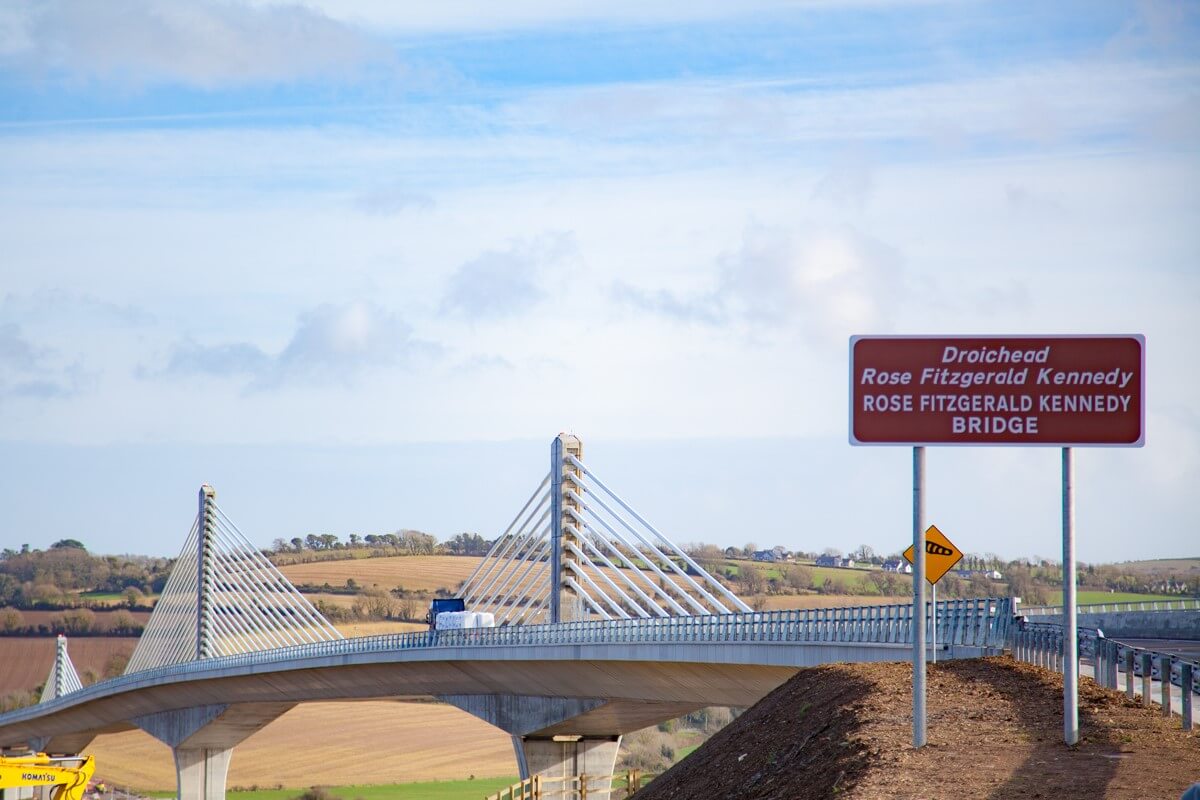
(751, 579)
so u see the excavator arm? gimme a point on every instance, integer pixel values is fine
(39, 769)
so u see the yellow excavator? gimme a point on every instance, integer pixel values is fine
(69, 775)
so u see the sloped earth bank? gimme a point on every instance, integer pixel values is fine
(995, 732)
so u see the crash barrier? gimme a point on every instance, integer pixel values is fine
(1042, 645)
(1187, 604)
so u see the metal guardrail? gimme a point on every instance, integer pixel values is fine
(1185, 604)
(980, 622)
(1042, 644)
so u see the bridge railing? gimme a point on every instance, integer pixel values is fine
(979, 622)
(1042, 644)
(1183, 604)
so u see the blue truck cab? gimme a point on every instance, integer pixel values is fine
(441, 604)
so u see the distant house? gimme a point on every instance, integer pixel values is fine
(775, 554)
(990, 574)
(897, 565)
(846, 562)
(834, 561)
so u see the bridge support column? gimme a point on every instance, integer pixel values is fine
(566, 756)
(200, 772)
(543, 730)
(202, 740)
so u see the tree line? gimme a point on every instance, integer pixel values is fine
(404, 542)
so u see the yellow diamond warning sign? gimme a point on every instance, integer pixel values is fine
(940, 554)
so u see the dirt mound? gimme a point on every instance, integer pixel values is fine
(995, 732)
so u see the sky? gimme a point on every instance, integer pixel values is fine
(356, 263)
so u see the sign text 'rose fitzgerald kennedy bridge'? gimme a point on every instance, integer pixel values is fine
(1050, 391)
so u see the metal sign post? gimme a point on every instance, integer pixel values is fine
(933, 622)
(918, 615)
(1070, 610)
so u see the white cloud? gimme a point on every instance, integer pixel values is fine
(331, 343)
(504, 283)
(388, 199)
(831, 282)
(15, 351)
(480, 15)
(704, 308)
(45, 302)
(33, 372)
(202, 43)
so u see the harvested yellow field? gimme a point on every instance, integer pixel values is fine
(800, 601)
(339, 600)
(331, 743)
(412, 572)
(352, 629)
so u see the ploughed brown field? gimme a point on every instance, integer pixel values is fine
(103, 617)
(25, 661)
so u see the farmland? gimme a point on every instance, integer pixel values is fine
(1162, 566)
(1085, 597)
(26, 660)
(428, 790)
(432, 572)
(373, 742)
(414, 573)
(781, 602)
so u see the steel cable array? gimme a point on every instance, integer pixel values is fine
(251, 605)
(616, 563)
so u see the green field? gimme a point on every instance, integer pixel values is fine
(437, 790)
(113, 598)
(1087, 597)
(848, 579)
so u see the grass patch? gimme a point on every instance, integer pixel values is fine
(434, 790)
(1089, 597)
(683, 752)
(103, 597)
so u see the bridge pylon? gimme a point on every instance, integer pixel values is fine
(565, 486)
(63, 678)
(577, 551)
(224, 597)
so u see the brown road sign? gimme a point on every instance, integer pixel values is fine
(1060, 391)
(940, 554)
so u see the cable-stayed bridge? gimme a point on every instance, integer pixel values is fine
(606, 627)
